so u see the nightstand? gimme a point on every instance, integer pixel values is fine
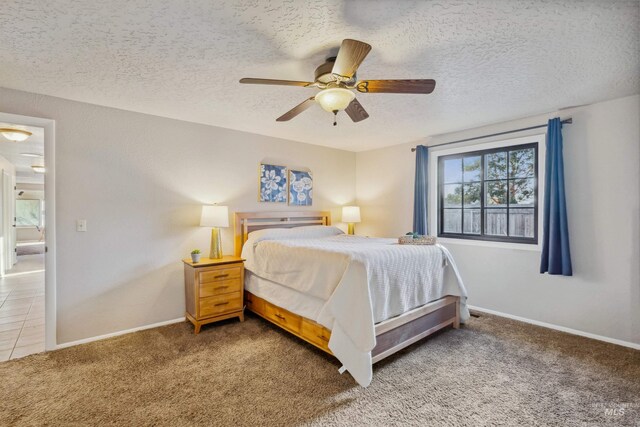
(213, 290)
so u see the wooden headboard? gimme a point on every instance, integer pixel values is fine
(246, 222)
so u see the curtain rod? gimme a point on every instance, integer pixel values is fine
(564, 122)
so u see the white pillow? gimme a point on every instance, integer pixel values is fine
(305, 232)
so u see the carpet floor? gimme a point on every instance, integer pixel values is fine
(493, 371)
(30, 250)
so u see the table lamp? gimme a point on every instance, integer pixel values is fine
(351, 215)
(215, 216)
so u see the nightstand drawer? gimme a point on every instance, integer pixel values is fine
(213, 290)
(221, 304)
(282, 317)
(219, 274)
(210, 289)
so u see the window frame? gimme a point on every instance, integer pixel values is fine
(470, 151)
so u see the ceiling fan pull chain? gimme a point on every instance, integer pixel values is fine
(335, 117)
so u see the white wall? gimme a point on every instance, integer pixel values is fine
(602, 171)
(139, 181)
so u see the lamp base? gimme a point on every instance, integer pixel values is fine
(352, 228)
(216, 244)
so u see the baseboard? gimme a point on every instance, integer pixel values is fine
(557, 328)
(471, 307)
(115, 334)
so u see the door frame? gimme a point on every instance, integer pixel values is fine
(49, 126)
(8, 196)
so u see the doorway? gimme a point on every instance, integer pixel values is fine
(24, 316)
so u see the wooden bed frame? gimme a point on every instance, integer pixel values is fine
(392, 335)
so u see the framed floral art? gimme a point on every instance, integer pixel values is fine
(273, 183)
(300, 188)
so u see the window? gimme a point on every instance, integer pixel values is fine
(490, 194)
(28, 213)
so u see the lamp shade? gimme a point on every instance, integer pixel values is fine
(350, 214)
(214, 216)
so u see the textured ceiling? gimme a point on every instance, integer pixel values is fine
(493, 60)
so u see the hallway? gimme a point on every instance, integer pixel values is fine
(22, 308)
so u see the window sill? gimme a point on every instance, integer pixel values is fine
(490, 244)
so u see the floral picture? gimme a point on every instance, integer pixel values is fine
(273, 183)
(300, 188)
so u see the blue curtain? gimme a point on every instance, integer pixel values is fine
(420, 217)
(556, 256)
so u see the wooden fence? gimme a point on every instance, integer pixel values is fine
(521, 222)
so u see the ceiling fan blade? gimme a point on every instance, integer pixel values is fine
(274, 82)
(356, 111)
(350, 56)
(296, 110)
(396, 86)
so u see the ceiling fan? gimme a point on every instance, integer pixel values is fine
(336, 79)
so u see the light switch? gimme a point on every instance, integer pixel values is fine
(81, 225)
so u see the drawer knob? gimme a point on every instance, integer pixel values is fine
(222, 303)
(323, 338)
(281, 317)
(221, 287)
(220, 276)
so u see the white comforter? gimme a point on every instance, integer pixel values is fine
(362, 280)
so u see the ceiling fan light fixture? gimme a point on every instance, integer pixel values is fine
(15, 135)
(336, 78)
(334, 99)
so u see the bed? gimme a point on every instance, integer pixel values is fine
(360, 299)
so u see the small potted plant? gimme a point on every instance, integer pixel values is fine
(195, 255)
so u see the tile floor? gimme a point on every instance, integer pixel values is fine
(22, 309)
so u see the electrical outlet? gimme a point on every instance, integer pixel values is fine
(81, 225)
